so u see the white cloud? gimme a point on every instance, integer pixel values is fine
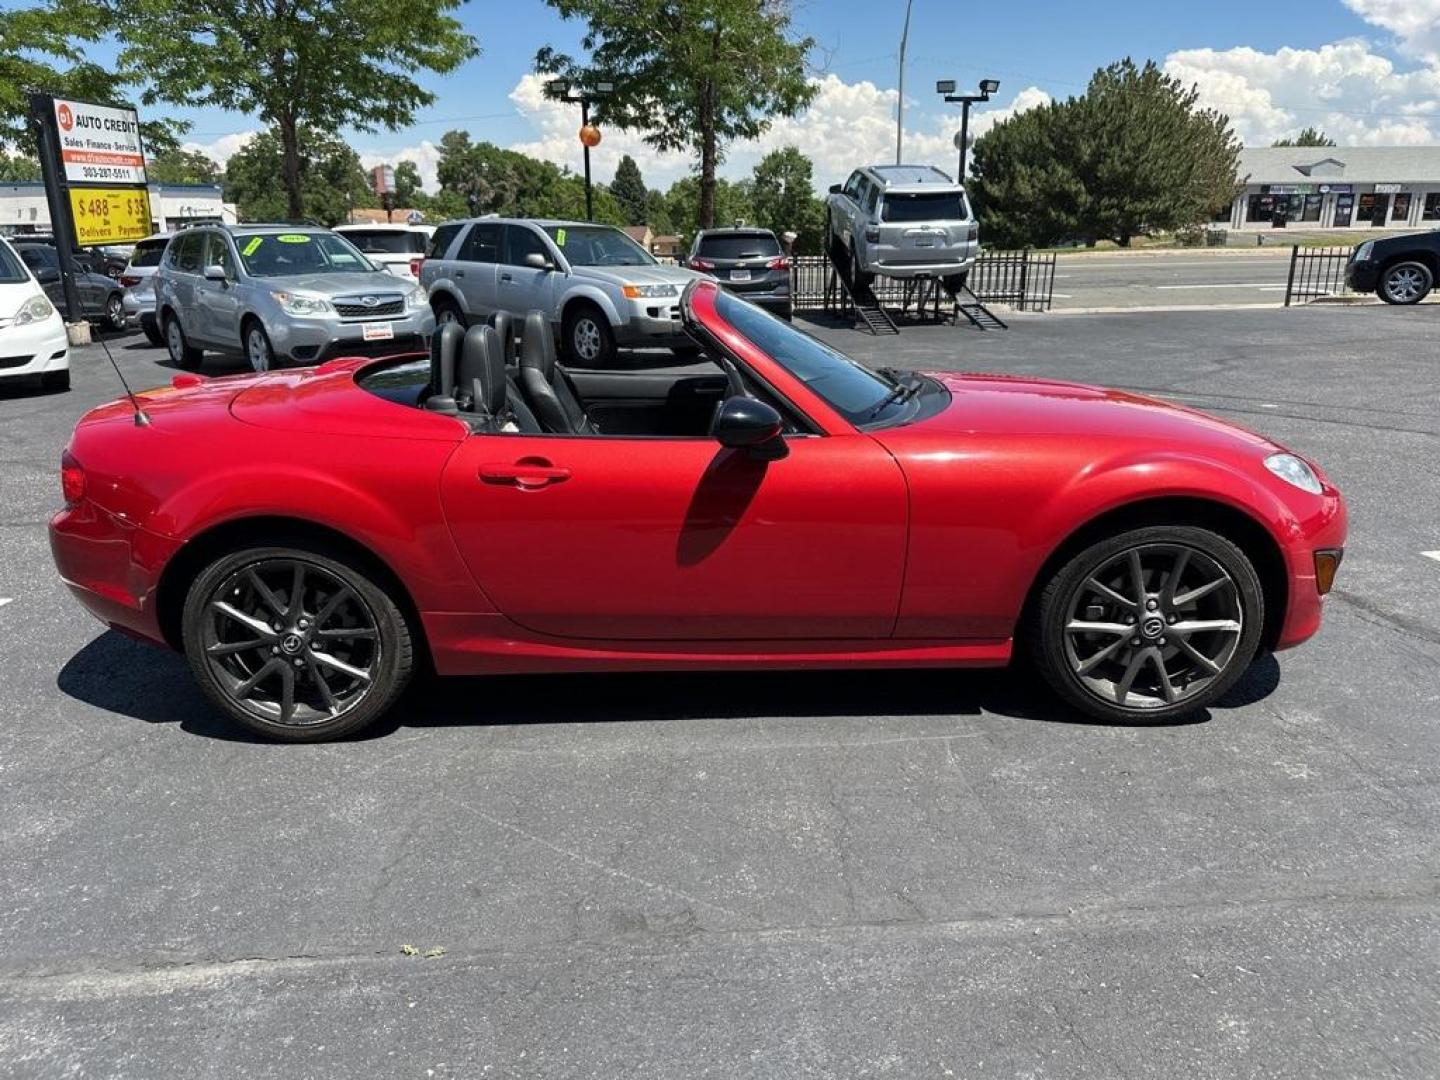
(847, 124)
(1415, 23)
(221, 150)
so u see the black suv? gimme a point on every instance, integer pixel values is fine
(749, 262)
(1401, 269)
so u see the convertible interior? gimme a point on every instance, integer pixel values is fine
(499, 381)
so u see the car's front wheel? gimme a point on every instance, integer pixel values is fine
(1406, 283)
(296, 645)
(589, 341)
(257, 348)
(1149, 625)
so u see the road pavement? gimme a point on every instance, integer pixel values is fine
(770, 876)
(1180, 278)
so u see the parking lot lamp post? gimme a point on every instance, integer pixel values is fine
(589, 134)
(946, 87)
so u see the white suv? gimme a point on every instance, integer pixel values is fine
(400, 249)
(902, 221)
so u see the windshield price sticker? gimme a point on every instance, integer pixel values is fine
(560, 237)
(110, 215)
(293, 238)
(99, 143)
(253, 246)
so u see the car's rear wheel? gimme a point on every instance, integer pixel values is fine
(115, 311)
(1149, 625)
(257, 347)
(1406, 283)
(182, 353)
(446, 311)
(589, 341)
(956, 282)
(294, 644)
(152, 332)
(859, 278)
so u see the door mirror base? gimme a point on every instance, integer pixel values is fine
(744, 423)
(536, 261)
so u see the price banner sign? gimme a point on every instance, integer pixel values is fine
(110, 215)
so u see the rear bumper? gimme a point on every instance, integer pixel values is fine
(111, 566)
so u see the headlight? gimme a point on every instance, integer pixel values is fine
(36, 309)
(294, 304)
(416, 299)
(649, 292)
(1294, 471)
(1362, 253)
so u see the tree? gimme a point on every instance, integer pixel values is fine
(407, 185)
(331, 179)
(481, 178)
(317, 64)
(783, 195)
(15, 167)
(691, 74)
(1133, 154)
(182, 167)
(682, 205)
(43, 49)
(1308, 137)
(629, 190)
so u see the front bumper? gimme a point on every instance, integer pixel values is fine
(652, 322)
(34, 348)
(310, 341)
(1363, 277)
(1322, 530)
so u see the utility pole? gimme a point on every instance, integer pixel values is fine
(562, 90)
(900, 104)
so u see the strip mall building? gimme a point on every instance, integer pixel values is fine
(1337, 187)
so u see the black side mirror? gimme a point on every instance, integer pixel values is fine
(835, 189)
(744, 423)
(536, 261)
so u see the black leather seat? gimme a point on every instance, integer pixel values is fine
(483, 388)
(445, 347)
(505, 327)
(548, 389)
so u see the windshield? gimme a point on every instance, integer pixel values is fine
(12, 271)
(387, 241)
(851, 390)
(285, 254)
(924, 206)
(743, 246)
(597, 245)
(148, 253)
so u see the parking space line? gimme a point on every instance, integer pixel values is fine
(1431, 555)
(6, 600)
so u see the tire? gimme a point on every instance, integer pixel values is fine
(182, 354)
(1405, 283)
(313, 638)
(446, 310)
(956, 282)
(259, 353)
(152, 332)
(589, 341)
(115, 311)
(1227, 619)
(55, 382)
(859, 279)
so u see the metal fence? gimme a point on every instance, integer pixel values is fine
(1317, 272)
(1024, 280)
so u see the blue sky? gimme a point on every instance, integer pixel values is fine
(1367, 69)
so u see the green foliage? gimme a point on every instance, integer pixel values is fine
(630, 192)
(331, 179)
(43, 49)
(1134, 154)
(407, 186)
(182, 167)
(691, 74)
(1308, 137)
(783, 196)
(15, 167)
(297, 64)
(481, 178)
(682, 206)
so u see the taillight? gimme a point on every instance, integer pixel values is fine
(701, 264)
(129, 280)
(974, 232)
(415, 265)
(72, 479)
(782, 263)
(872, 234)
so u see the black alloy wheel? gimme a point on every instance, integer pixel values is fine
(1151, 625)
(296, 645)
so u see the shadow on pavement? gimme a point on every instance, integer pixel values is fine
(129, 678)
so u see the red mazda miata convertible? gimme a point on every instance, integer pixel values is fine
(310, 537)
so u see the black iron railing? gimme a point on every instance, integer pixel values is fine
(1024, 280)
(1317, 272)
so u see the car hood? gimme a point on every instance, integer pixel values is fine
(1019, 406)
(348, 284)
(637, 275)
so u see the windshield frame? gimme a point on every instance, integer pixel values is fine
(240, 240)
(551, 230)
(9, 255)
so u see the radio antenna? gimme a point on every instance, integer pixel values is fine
(142, 419)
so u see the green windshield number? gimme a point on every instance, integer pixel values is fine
(293, 238)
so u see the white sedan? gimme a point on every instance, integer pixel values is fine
(32, 334)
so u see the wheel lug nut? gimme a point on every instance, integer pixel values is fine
(1161, 641)
(299, 662)
(275, 650)
(1170, 619)
(278, 627)
(1129, 620)
(1151, 605)
(304, 623)
(1135, 641)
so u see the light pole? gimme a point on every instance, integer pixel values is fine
(562, 90)
(947, 88)
(900, 103)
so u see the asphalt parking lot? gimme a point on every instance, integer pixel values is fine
(896, 875)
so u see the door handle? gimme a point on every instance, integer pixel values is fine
(459, 273)
(506, 277)
(524, 474)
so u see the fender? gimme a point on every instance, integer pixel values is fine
(580, 289)
(445, 287)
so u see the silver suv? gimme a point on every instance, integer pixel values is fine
(599, 288)
(282, 293)
(902, 221)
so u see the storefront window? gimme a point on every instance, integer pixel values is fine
(1260, 208)
(1311, 212)
(1372, 209)
(1344, 209)
(1400, 209)
(1432, 207)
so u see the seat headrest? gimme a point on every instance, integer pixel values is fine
(481, 373)
(537, 346)
(505, 330)
(444, 352)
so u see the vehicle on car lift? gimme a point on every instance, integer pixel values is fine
(1400, 269)
(310, 538)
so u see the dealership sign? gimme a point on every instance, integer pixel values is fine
(110, 215)
(99, 144)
